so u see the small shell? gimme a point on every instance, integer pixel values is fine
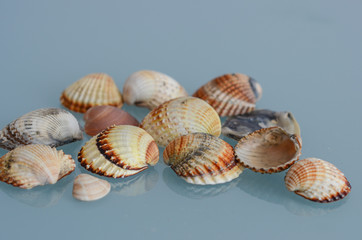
(33, 165)
(239, 126)
(48, 126)
(150, 89)
(200, 158)
(268, 150)
(89, 188)
(179, 117)
(119, 151)
(92, 90)
(99, 118)
(231, 94)
(317, 180)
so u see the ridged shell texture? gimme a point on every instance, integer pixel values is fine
(89, 188)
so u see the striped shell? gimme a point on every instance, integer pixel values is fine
(119, 151)
(150, 89)
(231, 94)
(99, 118)
(179, 117)
(33, 165)
(239, 126)
(200, 158)
(89, 188)
(48, 126)
(268, 150)
(317, 180)
(92, 90)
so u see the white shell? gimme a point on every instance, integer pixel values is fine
(89, 188)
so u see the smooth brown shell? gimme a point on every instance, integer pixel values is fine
(99, 118)
(317, 180)
(231, 94)
(89, 188)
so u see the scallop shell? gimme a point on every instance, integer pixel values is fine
(150, 89)
(179, 117)
(231, 94)
(200, 158)
(48, 126)
(119, 151)
(99, 118)
(317, 180)
(239, 126)
(268, 150)
(92, 90)
(89, 188)
(33, 165)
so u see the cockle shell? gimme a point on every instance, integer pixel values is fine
(179, 117)
(150, 89)
(49, 126)
(239, 126)
(231, 94)
(89, 188)
(92, 90)
(317, 180)
(33, 165)
(200, 158)
(268, 150)
(99, 118)
(119, 151)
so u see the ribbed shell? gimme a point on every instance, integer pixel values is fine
(268, 150)
(99, 118)
(89, 188)
(179, 117)
(201, 158)
(231, 94)
(92, 90)
(239, 126)
(317, 180)
(33, 165)
(48, 126)
(119, 151)
(150, 89)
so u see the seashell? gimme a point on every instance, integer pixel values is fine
(48, 126)
(179, 117)
(150, 89)
(89, 188)
(231, 94)
(200, 158)
(92, 90)
(317, 180)
(119, 151)
(99, 118)
(33, 165)
(268, 150)
(239, 126)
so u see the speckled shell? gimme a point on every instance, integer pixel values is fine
(200, 158)
(150, 89)
(33, 165)
(92, 90)
(119, 151)
(179, 117)
(239, 126)
(231, 94)
(89, 188)
(268, 150)
(99, 118)
(317, 180)
(49, 126)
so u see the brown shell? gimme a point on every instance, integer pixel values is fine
(317, 180)
(92, 90)
(99, 118)
(89, 188)
(231, 94)
(268, 150)
(200, 158)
